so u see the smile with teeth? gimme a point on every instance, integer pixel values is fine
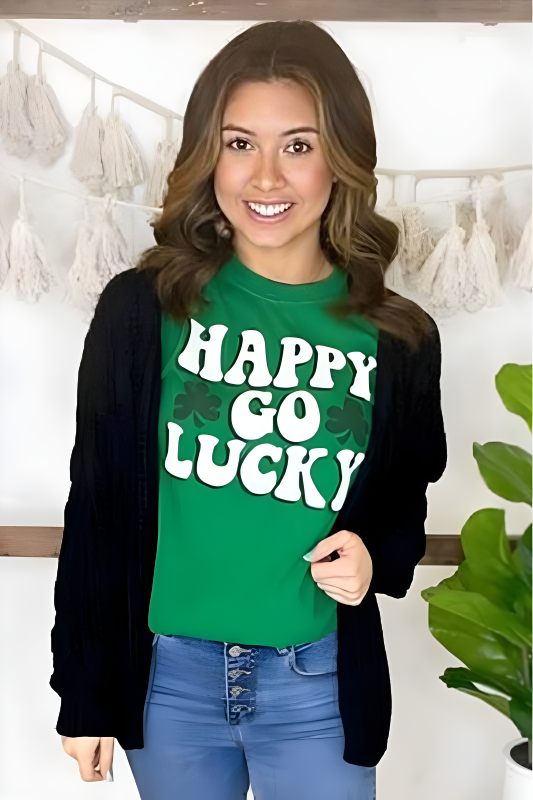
(269, 211)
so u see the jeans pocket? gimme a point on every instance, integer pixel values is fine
(315, 658)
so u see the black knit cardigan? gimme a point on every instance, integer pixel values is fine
(100, 640)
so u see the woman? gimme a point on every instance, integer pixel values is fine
(249, 392)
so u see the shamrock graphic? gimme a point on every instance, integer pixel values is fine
(348, 420)
(196, 401)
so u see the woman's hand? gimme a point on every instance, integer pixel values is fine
(94, 755)
(348, 577)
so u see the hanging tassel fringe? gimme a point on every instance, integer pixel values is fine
(521, 262)
(157, 186)
(101, 253)
(504, 231)
(86, 163)
(121, 157)
(15, 126)
(49, 126)
(442, 275)
(482, 282)
(27, 258)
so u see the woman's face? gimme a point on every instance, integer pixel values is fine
(261, 161)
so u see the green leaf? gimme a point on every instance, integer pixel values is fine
(522, 557)
(520, 711)
(506, 469)
(475, 608)
(484, 540)
(478, 648)
(488, 568)
(462, 679)
(513, 383)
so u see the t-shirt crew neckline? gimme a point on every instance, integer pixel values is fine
(236, 272)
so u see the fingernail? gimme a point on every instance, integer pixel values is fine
(308, 556)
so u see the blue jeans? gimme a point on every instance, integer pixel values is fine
(219, 715)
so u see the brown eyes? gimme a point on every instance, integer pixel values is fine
(297, 142)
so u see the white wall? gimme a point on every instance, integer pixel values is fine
(444, 96)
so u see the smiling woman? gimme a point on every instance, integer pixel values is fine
(251, 428)
(276, 165)
(279, 116)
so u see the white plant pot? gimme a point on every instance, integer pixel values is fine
(518, 780)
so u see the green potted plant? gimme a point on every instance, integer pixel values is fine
(482, 613)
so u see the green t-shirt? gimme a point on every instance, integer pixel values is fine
(265, 417)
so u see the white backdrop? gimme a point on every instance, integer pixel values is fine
(444, 97)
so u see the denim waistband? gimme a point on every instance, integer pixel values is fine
(215, 644)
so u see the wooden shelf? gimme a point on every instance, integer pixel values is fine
(39, 542)
(489, 12)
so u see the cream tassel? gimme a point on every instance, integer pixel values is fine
(482, 282)
(49, 126)
(521, 262)
(121, 157)
(165, 158)
(86, 163)
(418, 241)
(99, 256)
(504, 231)
(27, 257)
(441, 277)
(84, 258)
(15, 127)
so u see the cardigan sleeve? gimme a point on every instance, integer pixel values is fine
(80, 658)
(418, 455)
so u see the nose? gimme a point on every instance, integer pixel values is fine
(268, 173)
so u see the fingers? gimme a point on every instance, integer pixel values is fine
(86, 750)
(88, 759)
(107, 744)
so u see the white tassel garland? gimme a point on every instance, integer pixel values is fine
(157, 186)
(521, 261)
(418, 241)
(101, 253)
(27, 257)
(86, 163)
(441, 277)
(50, 128)
(482, 281)
(15, 126)
(121, 157)
(504, 230)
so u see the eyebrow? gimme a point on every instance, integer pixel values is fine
(305, 129)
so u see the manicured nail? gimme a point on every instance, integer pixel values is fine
(308, 556)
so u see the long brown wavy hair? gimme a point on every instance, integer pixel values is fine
(190, 247)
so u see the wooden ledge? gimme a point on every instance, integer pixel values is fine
(40, 542)
(485, 11)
